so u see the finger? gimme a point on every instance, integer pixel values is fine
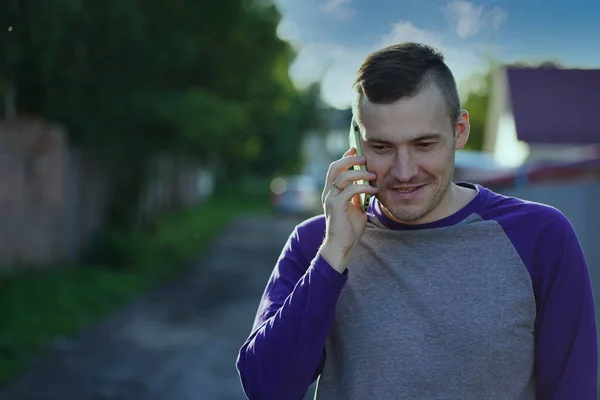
(346, 162)
(351, 151)
(344, 179)
(347, 177)
(353, 190)
(343, 164)
(356, 201)
(330, 190)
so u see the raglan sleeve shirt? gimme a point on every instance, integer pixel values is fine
(566, 339)
(285, 351)
(566, 354)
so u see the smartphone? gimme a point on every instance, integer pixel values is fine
(355, 142)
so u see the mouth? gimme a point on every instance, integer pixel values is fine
(406, 192)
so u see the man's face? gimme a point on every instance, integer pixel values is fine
(410, 145)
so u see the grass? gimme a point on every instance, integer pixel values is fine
(41, 305)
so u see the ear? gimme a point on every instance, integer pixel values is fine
(461, 130)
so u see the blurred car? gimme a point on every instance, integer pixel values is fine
(296, 194)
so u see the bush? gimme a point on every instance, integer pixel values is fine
(38, 306)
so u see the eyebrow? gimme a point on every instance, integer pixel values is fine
(425, 136)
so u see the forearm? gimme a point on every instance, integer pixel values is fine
(281, 357)
(566, 336)
(567, 355)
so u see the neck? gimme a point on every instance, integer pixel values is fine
(455, 198)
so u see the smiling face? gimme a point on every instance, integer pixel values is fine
(410, 145)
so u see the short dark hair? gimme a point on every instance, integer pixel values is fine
(402, 71)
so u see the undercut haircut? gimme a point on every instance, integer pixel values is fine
(403, 71)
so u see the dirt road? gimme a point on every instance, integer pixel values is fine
(179, 342)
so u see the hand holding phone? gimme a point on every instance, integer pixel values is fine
(346, 220)
(354, 138)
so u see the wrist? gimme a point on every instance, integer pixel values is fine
(336, 257)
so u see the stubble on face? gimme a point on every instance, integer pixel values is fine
(413, 212)
(433, 171)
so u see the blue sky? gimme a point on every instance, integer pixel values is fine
(334, 36)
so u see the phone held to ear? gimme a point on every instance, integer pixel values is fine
(356, 143)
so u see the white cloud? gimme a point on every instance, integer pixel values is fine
(336, 64)
(497, 17)
(338, 8)
(405, 31)
(462, 60)
(289, 30)
(309, 66)
(470, 18)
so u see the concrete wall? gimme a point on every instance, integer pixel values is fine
(53, 196)
(32, 162)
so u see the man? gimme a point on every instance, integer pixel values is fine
(441, 290)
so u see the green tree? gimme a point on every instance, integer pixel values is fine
(133, 79)
(476, 103)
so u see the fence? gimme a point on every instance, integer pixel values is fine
(54, 196)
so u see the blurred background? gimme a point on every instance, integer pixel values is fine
(155, 155)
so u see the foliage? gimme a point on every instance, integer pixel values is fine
(132, 79)
(39, 306)
(477, 103)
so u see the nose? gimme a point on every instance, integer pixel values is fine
(405, 168)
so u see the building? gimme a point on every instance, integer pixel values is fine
(543, 115)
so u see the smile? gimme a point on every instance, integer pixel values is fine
(407, 190)
(406, 193)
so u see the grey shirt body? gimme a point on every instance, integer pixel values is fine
(433, 314)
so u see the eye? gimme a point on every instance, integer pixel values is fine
(426, 145)
(378, 147)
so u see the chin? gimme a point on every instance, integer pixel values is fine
(408, 214)
(412, 207)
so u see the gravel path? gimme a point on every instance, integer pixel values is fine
(179, 342)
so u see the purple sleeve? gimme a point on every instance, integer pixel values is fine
(566, 356)
(566, 343)
(285, 351)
